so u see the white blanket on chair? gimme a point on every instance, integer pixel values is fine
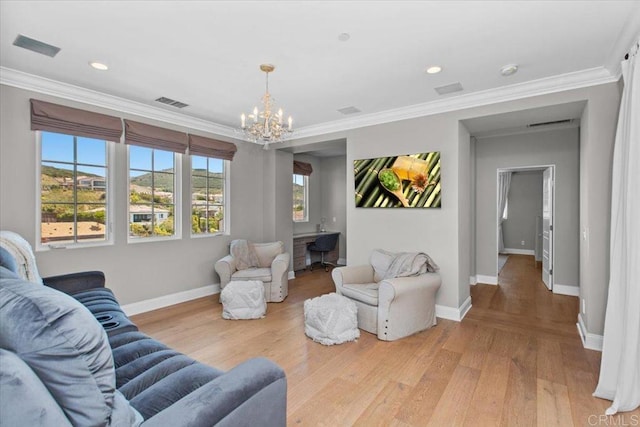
(244, 254)
(403, 264)
(21, 251)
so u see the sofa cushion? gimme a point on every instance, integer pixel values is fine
(64, 345)
(267, 252)
(366, 292)
(152, 376)
(261, 274)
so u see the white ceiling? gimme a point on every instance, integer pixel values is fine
(206, 53)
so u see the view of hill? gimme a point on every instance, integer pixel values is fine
(163, 180)
(62, 173)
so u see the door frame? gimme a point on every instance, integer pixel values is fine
(530, 168)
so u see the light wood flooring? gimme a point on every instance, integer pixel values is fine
(515, 360)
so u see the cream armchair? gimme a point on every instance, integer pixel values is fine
(391, 308)
(271, 267)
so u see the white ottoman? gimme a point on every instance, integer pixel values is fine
(243, 300)
(331, 319)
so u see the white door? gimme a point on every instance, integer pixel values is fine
(547, 227)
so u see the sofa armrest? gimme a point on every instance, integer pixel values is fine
(225, 268)
(352, 274)
(76, 282)
(253, 393)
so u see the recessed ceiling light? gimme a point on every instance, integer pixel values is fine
(509, 69)
(343, 37)
(99, 65)
(434, 69)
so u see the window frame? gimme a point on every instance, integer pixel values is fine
(226, 205)
(177, 200)
(305, 180)
(110, 199)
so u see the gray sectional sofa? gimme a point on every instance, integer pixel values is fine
(70, 356)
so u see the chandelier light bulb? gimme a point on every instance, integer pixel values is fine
(290, 122)
(242, 121)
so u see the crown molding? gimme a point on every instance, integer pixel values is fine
(559, 83)
(21, 80)
(575, 80)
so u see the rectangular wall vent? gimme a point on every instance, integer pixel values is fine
(453, 87)
(556, 122)
(348, 110)
(36, 46)
(172, 102)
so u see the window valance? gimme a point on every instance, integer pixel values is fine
(201, 146)
(136, 133)
(302, 168)
(72, 121)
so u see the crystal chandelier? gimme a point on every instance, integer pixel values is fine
(266, 127)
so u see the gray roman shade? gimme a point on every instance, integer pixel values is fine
(302, 168)
(201, 146)
(72, 121)
(136, 133)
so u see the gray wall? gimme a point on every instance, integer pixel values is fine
(327, 195)
(525, 205)
(315, 196)
(438, 231)
(559, 148)
(140, 271)
(333, 173)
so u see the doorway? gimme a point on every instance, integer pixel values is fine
(525, 216)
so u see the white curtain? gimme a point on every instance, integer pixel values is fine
(620, 366)
(504, 182)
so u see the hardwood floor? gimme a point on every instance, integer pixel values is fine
(515, 360)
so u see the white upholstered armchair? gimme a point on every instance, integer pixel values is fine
(267, 262)
(391, 308)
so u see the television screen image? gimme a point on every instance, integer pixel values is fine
(409, 181)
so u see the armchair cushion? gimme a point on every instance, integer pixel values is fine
(267, 252)
(366, 292)
(262, 274)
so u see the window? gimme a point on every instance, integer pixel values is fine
(300, 198)
(208, 195)
(153, 179)
(75, 199)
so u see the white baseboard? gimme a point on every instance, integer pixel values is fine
(452, 313)
(559, 289)
(342, 261)
(589, 340)
(292, 275)
(487, 280)
(473, 280)
(167, 300)
(515, 251)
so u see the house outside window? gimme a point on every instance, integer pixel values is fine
(74, 202)
(209, 195)
(153, 200)
(300, 198)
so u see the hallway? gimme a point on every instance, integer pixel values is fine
(550, 376)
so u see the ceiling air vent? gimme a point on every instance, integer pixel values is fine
(36, 46)
(172, 102)
(556, 122)
(348, 110)
(453, 87)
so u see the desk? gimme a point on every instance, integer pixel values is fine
(300, 249)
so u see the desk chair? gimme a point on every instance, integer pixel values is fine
(323, 244)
